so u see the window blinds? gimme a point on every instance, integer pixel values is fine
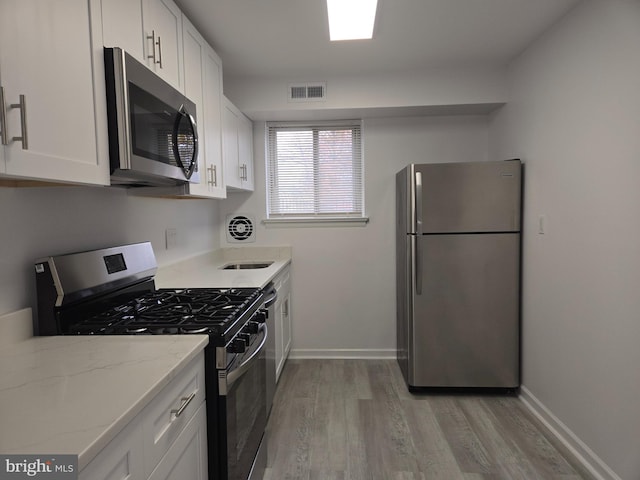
(315, 170)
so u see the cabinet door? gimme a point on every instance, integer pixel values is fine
(193, 48)
(122, 26)
(169, 412)
(286, 326)
(203, 85)
(279, 338)
(121, 459)
(245, 151)
(212, 69)
(163, 40)
(230, 145)
(187, 457)
(58, 72)
(237, 139)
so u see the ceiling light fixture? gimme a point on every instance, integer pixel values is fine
(351, 19)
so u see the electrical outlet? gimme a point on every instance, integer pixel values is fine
(171, 237)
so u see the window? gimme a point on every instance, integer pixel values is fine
(315, 171)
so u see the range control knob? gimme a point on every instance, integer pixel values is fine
(246, 337)
(237, 345)
(261, 316)
(253, 327)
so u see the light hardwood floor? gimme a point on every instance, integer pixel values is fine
(355, 420)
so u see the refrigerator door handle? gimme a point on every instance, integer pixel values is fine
(418, 208)
(417, 249)
(417, 266)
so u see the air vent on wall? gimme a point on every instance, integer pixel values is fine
(307, 92)
(240, 229)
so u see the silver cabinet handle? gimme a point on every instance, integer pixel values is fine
(23, 121)
(185, 401)
(152, 37)
(214, 176)
(4, 136)
(159, 62)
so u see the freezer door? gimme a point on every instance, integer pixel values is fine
(468, 197)
(465, 327)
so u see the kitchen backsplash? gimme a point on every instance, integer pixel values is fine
(38, 222)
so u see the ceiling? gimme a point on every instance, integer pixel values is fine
(290, 38)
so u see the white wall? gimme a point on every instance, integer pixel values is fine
(343, 301)
(573, 116)
(37, 222)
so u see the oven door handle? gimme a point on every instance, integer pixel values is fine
(271, 295)
(234, 375)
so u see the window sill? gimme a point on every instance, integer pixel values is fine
(315, 222)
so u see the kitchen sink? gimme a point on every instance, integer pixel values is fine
(246, 265)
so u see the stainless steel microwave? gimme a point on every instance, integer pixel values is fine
(153, 136)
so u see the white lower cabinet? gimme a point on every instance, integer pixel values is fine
(167, 440)
(187, 457)
(282, 284)
(121, 459)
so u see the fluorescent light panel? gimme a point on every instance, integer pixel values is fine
(351, 19)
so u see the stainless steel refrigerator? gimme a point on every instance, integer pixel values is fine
(458, 274)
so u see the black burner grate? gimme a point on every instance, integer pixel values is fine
(173, 311)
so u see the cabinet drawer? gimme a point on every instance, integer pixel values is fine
(187, 457)
(167, 415)
(282, 279)
(121, 459)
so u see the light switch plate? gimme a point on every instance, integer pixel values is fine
(171, 237)
(542, 224)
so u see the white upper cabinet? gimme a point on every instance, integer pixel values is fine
(150, 31)
(237, 147)
(212, 70)
(162, 21)
(122, 27)
(52, 66)
(203, 85)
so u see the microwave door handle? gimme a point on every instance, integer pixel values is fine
(183, 114)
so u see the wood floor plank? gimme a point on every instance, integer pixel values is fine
(465, 445)
(356, 420)
(433, 453)
(505, 456)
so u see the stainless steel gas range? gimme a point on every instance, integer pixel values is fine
(112, 292)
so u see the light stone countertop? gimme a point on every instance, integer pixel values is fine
(204, 271)
(74, 394)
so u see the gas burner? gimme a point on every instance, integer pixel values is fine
(211, 311)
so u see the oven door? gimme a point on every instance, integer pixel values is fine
(243, 413)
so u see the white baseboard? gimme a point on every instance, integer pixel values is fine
(342, 353)
(586, 456)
